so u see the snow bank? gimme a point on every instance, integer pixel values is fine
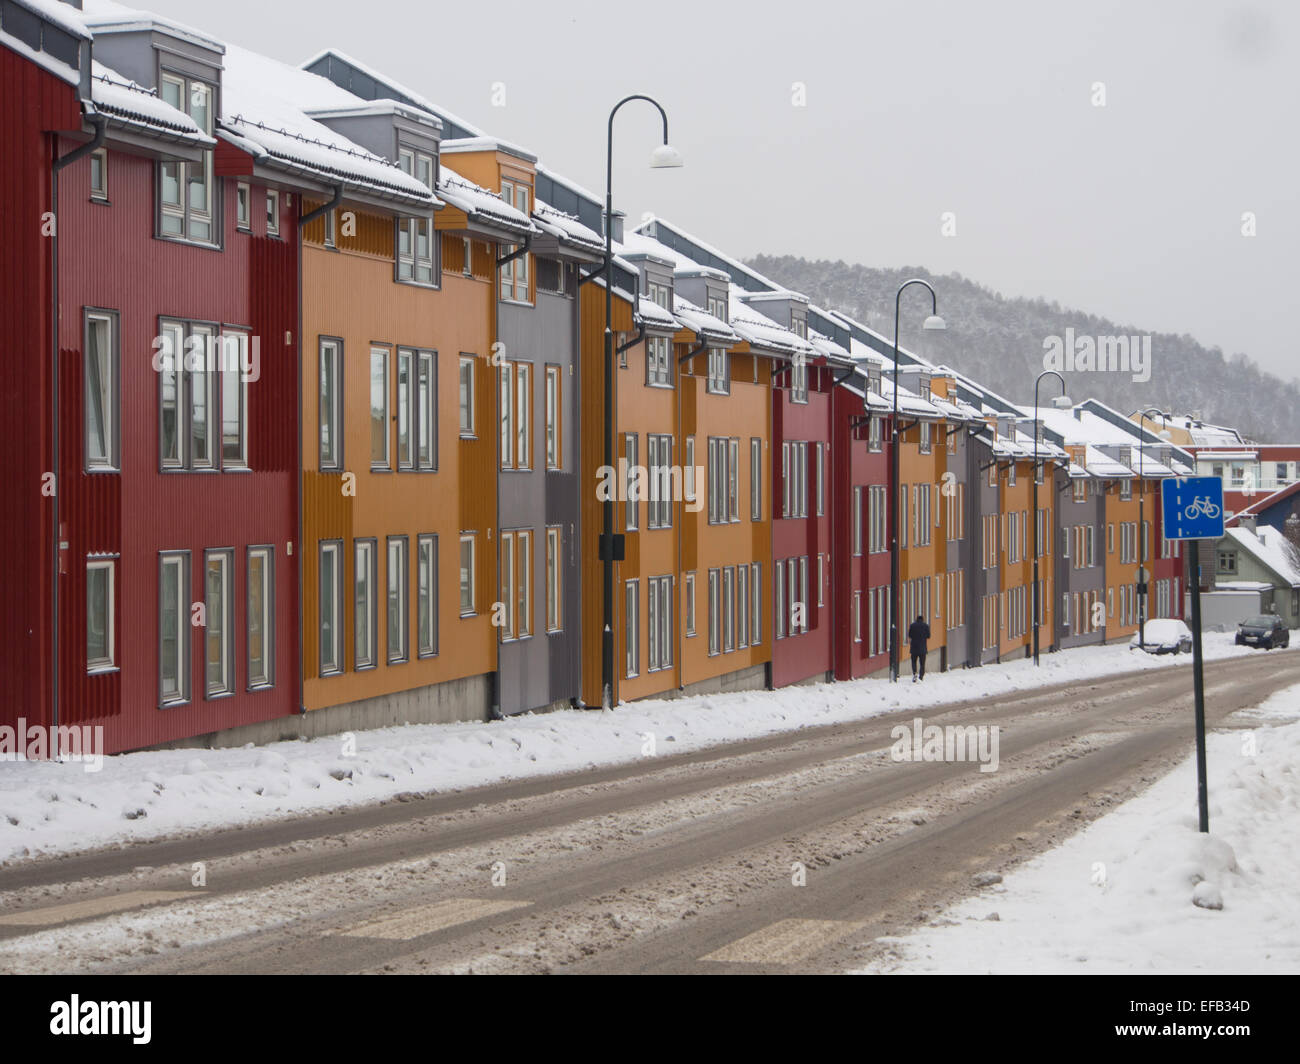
(1141, 890)
(48, 808)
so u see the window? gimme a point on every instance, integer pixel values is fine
(406, 413)
(467, 267)
(553, 416)
(101, 654)
(1011, 474)
(857, 616)
(755, 479)
(554, 560)
(659, 294)
(516, 584)
(733, 479)
(379, 392)
(102, 383)
(217, 636)
(690, 603)
(794, 462)
(661, 624)
(729, 609)
(742, 605)
(261, 617)
(331, 229)
(514, 274)
(632, 628)
(185, 189)
(415, 243)
(857, 520)
(331, 608)
(426, 588)
(756, 592)
(660, 461)
(1126, 489)
(821, 580)
(632, 481)
(524, 584)
(820, 452)
(467, 395)
(516, 415)
(874, 434)
(243, 207)
(902, 516)
(925, 437)
(173, 628)
(364, 622)
(426, 411)
(99, 174)
(1227, 561)
(719, 379)
(715, 614)
(467, 581)
(331, 404)
(658, 362)
(779, 610)
(272, 212)
(399, 616)
(1080, 487)
(234, 401)
(798, 379)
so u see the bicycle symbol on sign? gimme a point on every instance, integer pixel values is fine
(1201, 506)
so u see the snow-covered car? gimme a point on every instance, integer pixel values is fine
(1164, 635)
(1266, 630)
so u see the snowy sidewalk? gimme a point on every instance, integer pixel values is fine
(1118, 896)
(48, 808)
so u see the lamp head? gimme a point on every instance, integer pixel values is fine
(1062, 402)
(934, 322)
(665, 157)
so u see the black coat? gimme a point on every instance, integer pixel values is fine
(918, 636)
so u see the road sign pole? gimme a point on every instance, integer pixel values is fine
(1198, 686)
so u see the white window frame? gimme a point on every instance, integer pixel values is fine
(330, 553)
(468, 575)
(108, 386)
(329, 368)
(184, 643)
(364, 560)
(225, 685)
(397, 590)
(108, 623)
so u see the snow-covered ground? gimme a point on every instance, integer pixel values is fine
(48, 808)
(1136, 890)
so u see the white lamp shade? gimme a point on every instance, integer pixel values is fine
(665, 156)
(934, 322)
(1062, 402)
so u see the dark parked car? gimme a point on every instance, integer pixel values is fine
(1266, 630)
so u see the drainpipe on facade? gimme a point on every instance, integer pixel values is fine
(100, 124)
(695, 488)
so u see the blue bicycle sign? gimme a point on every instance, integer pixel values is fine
(1192, 507)
(1201, 507)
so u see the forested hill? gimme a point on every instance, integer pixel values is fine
(1000, 342)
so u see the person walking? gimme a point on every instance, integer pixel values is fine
(918, 637)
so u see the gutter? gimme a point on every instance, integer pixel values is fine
(60, 163)
(305, 220)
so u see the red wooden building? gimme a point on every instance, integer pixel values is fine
(160, 594)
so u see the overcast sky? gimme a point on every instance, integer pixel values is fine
(1132, 210)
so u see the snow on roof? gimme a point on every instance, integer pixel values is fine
(108, 16)
(638, 243)
(1272, 549)
(473, 199)
(702, 323)
(758, 330)
(827, 347)
(1102, 465)
(654, 315)
(265, 102)
(64, 16)
(735, 264)
(485, 143)
(566, 227)
(571, 185)
(135, 105)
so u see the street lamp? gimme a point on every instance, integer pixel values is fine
(1060, 402)
(663, 156)
(932, 322)
(1143, 576)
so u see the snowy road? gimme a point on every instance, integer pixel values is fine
(791, 852)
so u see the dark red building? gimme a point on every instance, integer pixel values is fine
(159, 587)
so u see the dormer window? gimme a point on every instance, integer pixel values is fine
(799, 327)
(415, 244)
(514, 274)
(718, 307)
(185, 189)
(659, 294)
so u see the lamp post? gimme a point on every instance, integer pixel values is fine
(1061, 400)
(662, 156)
(1144, 578)
(932, 322)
